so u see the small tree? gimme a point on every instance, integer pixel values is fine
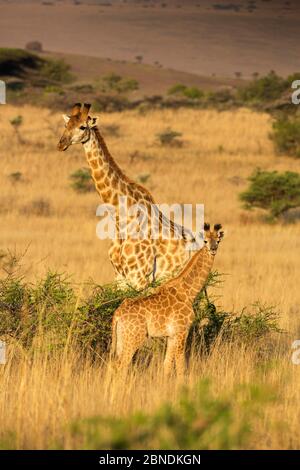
(34, 46)
(116, 83)
(170, 137)
(82, 180)
(16, 123)
(286, 135)
(264, 89)
(57, 71)
(177, 89)
(192, 92)
(272, 191)
(139, 59)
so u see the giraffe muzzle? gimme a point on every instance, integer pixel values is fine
(63, 145)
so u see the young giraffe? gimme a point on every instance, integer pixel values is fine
(133, 259)
(168, 312)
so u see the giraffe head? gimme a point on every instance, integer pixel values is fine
(78, 126)
(213, 237)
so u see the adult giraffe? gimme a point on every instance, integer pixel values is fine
(135, 260)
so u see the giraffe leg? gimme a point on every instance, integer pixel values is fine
(131, 338)
(169, 358)
(180, 341)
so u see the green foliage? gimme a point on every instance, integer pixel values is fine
(14, 62)
(170, 138)
(21, 63)
(116, 83)
(220, 97)
(272, 191)
(16, 176)
(54, 89)
(27, 74)
(96, 314)
(51, 308)
(177, 89)
(143, 178)
(111, 103)
(286, 135)
(56, 71)
(264, 89)
(192, 93)
(16, 85)
(27, 310)
(211, 322)
(16, 121)
(82, 181)
(197, 420)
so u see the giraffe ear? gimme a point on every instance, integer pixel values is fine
(66, 118)
(92, 121)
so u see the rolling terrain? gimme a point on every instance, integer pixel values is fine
(204, 38)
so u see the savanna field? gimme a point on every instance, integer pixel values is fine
(242, 394)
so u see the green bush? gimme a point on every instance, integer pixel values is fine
(56, 71)
(111, 103)
(179, 88)
(14, 62)
(197, 420)
(211, 322)
(51, 308)
(16, 176)
(54, 89)
(272, 191)
(19, 63)
(286, 135)
(116, 83)
(220, 97)
(143, 178)
(192, 93)
(264, 89)
(82, 180)
(170, 138)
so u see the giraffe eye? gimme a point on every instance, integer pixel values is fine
(205, 241)
(82, 128)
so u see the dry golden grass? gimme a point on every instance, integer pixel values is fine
(221, 150)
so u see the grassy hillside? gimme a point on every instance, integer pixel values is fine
(48, 392)
(204, 37)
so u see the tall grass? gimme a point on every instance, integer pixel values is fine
(49, 388)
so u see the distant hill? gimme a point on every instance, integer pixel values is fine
(224, 38)
(153, 80)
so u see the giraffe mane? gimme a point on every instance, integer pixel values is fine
(186, 234)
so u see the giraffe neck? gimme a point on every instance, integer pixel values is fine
(110, 181)
(195, 274)
(106, 174)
